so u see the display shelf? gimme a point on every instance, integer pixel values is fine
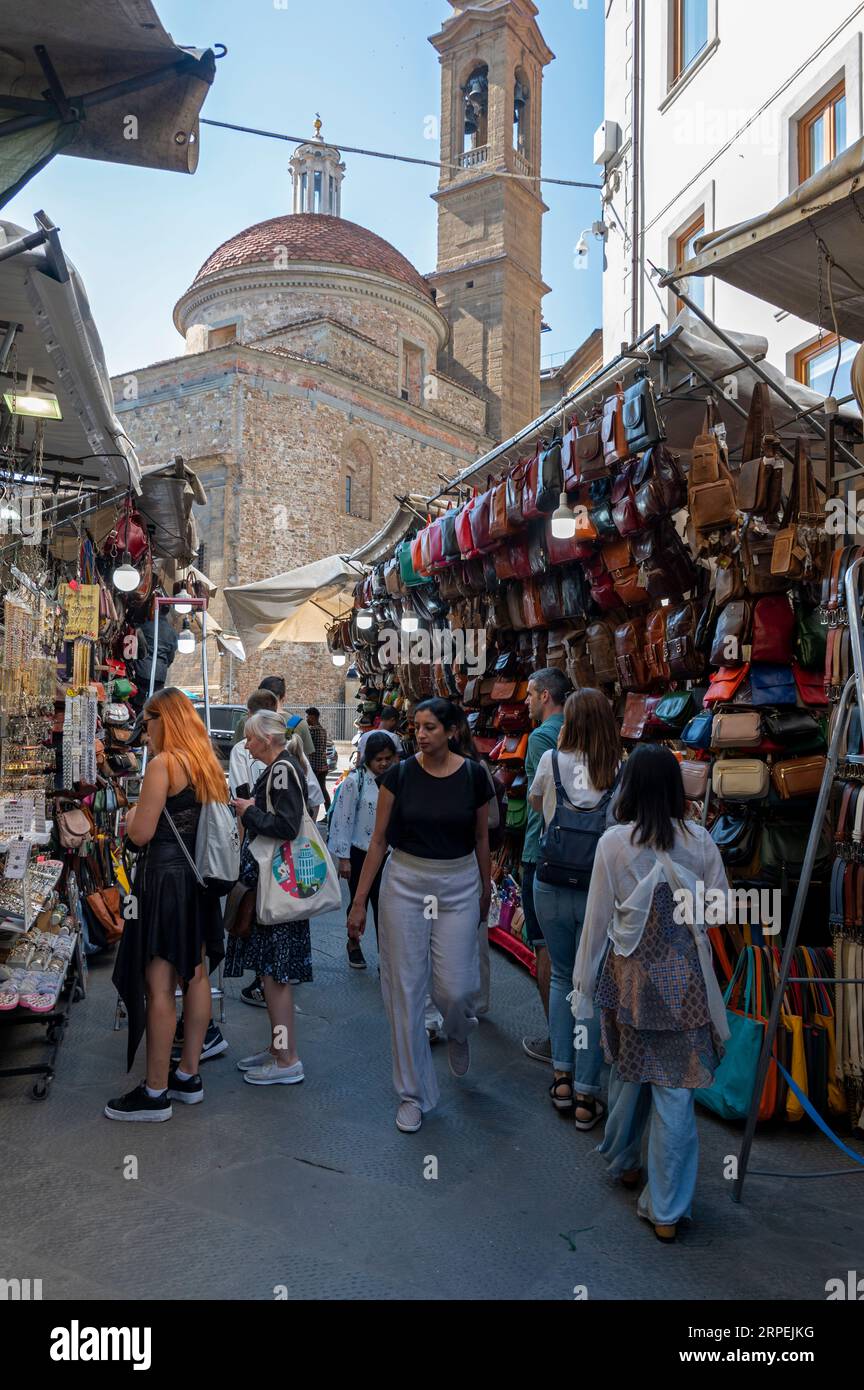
(514, 947)
(55, 1023)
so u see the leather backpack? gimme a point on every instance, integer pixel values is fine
(600, 639)
(550, 482)
(773, 630)
(643, 427)
(624, 514)
(532, 607)
(710, 490)
(624, 573)
(574, 593)
(682, 655)
(513, 491)
(614, 437)
(659, 485)
(630, 662)
(587, 452)
(551, 598)
(480, 523)
(666, 569)
(731, 634)
(760, 480)
(530, 487)
(500, 526)
(655, 645)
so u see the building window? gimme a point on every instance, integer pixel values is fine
(521, 102)
(475, 96)
(690, 33)
(304, 192)
(815, 363)
(357, 485)
(822, 132)
(411, 375)
(221, 337)
(316, 195)
(684, 251)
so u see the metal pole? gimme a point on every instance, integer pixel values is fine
(204, 669)
(742, 357)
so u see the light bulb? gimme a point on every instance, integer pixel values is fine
(126, 577)
(410, 624)
(563, 521)
(339, 659)
(364, 619)
(182, 607)
(186, 642)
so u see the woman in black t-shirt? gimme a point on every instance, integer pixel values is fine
(433, 811)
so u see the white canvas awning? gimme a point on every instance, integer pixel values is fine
(409, 514)
(294, 607)
(101, 80)
(776, 256)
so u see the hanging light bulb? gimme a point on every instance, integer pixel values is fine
(183, 607)
(563, 520)
(364, 619)
(409, 623)
(339, 659)
(126, 577)
(186, 640)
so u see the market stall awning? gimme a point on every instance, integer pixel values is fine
(776, 256)
(294, 607)
(410, 513)
(165, 502)
(100, 80)
(42, 297)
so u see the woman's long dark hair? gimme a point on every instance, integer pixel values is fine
(589, 728)
(448, 715)
(652, 796)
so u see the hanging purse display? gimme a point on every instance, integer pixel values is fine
(550, 483)
(513, 493)
(756, 552)
(643, 427)
(530, 487)
(724, 684)
(480, 520)
(793, 726)
(588, 449)
(660, 487)
(612, 429)
(739, 779)
(773, 630)
(810, 686)
(710, 489)
(630, 663)
(736, 729)
(759, 484)
(695, 778)
(728, 581)
(464, 534)
(562, 552)
(731, 634)
(800, 546)
(655, 645)
(772, 685)
(624, 514)
(638, 717)
(697, 734)
(600, 639)
(500, 526)
(675, 709)
(798, 776)
(683, 658)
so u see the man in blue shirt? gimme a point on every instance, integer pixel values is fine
(547, 691)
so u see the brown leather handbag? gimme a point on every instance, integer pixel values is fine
(630, 660)
(500, 526)
(710, 488)
(515, 488)
(798, 776)
(728, 581)
(682, 655)
(731, 634)
(514, 606)
(638, 717)
(659, 485)
(600, 638)
(612, 429)
(624, 513)
(800, 546)
(578, 665)
(655, 645)
(588, 452)
(624, 573)
(532, 607)
(551, 601)
(759, 484)
(757, 552)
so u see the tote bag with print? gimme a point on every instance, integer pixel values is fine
(296, 878)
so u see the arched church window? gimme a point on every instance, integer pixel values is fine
(521, 104)
(357, 480)
(475, 95)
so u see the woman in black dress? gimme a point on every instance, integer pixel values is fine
(282, 953)
(175, 932)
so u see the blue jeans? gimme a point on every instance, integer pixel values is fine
(561, 912)
(673, 1144)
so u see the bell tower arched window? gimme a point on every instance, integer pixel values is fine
(521, 115)
(475, 98)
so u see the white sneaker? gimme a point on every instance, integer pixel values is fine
(273, 1075)
(409, 1117)
(260, 1059)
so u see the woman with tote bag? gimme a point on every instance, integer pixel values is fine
(279, 951)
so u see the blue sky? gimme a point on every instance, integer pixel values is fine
(138, 236)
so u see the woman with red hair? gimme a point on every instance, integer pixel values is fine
(175, 934)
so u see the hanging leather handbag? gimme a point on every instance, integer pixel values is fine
(697, 734)
(624, 514)
(588, 449)
(683, 658)
(675, 709)
(550, 483)
(772, 685)
(710, 490)
(600, 639)
(512, 749)
(511, 719)
(643, 427)
(736, 729)
(480, 520)
(519, 558)
(614, 435)
(655, 645)
(773, 630)
(695, 778)
(537, 557)
(578, 666)
(800, 546)
(724, 684)
(500, 526)
(464, 534)
(530, 485)
(551, 601)
(630, 662)
(449, 586)
(571, 473)
(624, 573)
(810, 638)
(393, 577)
(449, 541)
(756, 552)
(728, 581)
(810, 686)
(793, 726)
(562, 552)
(760, 480)
(798, 776)
(603, 593)
(515, 487)
(637, 715)
(731, 634)
(531, 607)
(659, 485)
(514, 606)
(666, 569)
(736, 837)
(574, 593)
(740, 779)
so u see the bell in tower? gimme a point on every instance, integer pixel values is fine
(317, 172)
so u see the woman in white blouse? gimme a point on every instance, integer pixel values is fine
(352, 822)
(663, 1020)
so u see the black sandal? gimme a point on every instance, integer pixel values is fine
(561, 1102)
(596, 1110)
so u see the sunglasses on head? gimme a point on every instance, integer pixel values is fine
(148, 719)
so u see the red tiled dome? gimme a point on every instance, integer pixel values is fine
(311, 236)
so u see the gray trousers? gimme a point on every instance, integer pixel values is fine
(428, 944)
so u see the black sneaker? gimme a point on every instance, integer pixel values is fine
(356, 959)
(214, 1044)
(191, 1092)
(137, 1105)
(254, 994)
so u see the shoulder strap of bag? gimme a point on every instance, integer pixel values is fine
(191, 862)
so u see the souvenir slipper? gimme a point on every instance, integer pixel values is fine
(39, 1003)
(8, 995)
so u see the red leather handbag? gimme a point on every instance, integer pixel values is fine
(511, 719)
(464, 534)
(519, 556)
(603, 593)
(561, 552)
(810, 686)
(436, 547)
(530, 485)
(773, 630)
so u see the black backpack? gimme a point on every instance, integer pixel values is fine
(569, 843)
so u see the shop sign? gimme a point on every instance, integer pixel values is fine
(81, 606)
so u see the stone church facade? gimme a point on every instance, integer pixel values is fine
(324, 376)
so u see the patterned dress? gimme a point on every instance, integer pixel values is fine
(656, 1025)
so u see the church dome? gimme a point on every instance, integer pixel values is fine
(310, 237)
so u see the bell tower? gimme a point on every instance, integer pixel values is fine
(490, 210)
(317, 172)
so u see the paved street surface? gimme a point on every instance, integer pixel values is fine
(312, 1187)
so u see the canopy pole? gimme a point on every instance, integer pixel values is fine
(670, 279)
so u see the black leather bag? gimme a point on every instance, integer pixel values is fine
(550, 481)
(642, 424)
(736, 838)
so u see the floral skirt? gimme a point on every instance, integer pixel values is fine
(282, 952)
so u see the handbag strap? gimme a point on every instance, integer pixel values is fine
(191, 862)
